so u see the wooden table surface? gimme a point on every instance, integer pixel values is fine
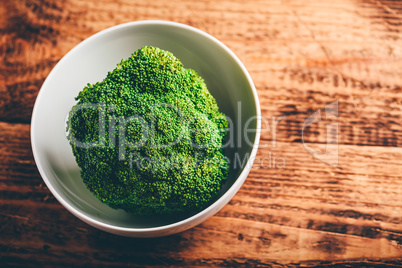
(294, 209)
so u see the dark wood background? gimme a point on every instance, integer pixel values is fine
(302, 55)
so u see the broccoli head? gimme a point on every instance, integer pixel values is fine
(148, 138)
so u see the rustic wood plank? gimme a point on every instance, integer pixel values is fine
(293, 209)
(293, 86)
(328, 213)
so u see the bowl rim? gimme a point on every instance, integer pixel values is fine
(230, 192)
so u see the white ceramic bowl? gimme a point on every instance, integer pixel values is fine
(226, 78)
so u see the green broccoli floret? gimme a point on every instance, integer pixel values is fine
(148, 138)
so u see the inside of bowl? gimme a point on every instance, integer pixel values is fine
(89, 62)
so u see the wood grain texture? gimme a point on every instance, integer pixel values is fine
(293, 210)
